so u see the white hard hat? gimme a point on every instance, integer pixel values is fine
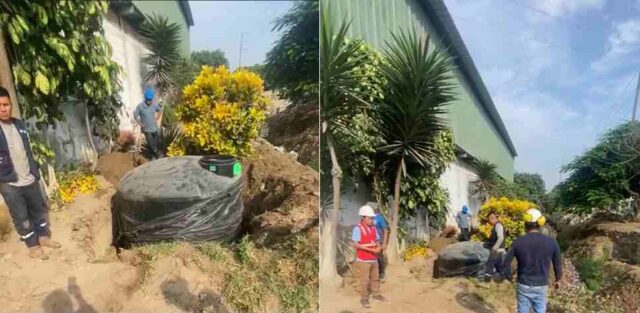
(532, 216)
(366, 210)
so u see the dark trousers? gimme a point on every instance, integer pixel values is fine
(153, 140)
(494, 264)
(465, 234)
(28, 211)
(382, 266)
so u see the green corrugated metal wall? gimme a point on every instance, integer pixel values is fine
(373, 21)
(170, 9)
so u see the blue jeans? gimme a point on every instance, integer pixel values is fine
(532, 296)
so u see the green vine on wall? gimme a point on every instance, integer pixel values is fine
(59, 55)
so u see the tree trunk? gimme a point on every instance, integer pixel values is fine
(6, 77)
(329, 237)
(393, 250)
(94, 162)
(636, 208)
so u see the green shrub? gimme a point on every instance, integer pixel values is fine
(590, 271)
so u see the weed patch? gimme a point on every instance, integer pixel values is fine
(590, 270)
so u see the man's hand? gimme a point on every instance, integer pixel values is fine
(557, 285)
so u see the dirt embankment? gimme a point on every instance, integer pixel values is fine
(616, 246)
(297, 128)
(87, 275)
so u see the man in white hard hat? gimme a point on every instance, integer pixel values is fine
(534, 253)
(366, 241)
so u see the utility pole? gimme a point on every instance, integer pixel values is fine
(635, 103)
(241, 42)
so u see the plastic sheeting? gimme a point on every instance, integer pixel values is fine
(175, 199)
(461, 259)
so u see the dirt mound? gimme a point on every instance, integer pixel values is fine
(296, 128)
(280, 195)
(114, 165)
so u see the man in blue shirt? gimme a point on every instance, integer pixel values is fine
(534, 252)
(147, 115)
(464, 222)
(382, 228)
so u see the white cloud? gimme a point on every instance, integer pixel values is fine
(623, 41)
(536, 79)
(559, 8)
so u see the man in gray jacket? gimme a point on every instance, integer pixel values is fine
(19, 177)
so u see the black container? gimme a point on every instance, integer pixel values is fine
(223, 165)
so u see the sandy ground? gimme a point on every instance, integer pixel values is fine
(86, 276)
(410, 289)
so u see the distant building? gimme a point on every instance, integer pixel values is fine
(478, 129)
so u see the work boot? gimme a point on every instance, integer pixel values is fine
(37, 253)
(47, 242)
(365, 303)
(380, 298)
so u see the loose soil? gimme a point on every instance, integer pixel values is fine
(296, 128)
(87, 275)
(411, 289)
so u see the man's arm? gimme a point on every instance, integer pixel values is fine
(557, 263)
(355, 238)
(506, 265)
(500, 233)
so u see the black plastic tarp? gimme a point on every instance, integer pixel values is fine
(466, 258)
(175, 199)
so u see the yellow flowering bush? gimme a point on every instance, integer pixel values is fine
(221, 112)
(415, 250)
(510, 214)
(73, 184)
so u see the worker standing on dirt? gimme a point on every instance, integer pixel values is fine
(147, 115)
(464, 222)
(382, 228)
(366, 241)
(19, 183)
(534, 252)
(496, 245)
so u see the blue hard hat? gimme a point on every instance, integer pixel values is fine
(148, 94)
(465, 209)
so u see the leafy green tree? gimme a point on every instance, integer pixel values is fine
(532, 187)
(418, 89)
(213, 58)
(606, 174)
(292, 64)
(338, 99)
(58, 52)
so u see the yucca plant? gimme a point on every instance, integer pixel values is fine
(163, 40)
(167, 135)
(419, 87)
(487, 180)
(338, 97)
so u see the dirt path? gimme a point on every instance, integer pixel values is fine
(86, 275)
(410, 289)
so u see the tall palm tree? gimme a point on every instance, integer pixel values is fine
(418, 89)
(163, 40)
(487, 180)
(338, 98)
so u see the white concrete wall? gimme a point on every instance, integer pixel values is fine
(456, 179)
(128, 51)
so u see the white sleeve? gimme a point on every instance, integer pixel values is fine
(500, 233)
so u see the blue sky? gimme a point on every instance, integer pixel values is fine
(218, 25)
(561, 72)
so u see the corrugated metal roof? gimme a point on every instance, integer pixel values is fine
(446, 28)
(186, 10)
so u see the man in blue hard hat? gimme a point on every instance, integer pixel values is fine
(147, 115)
(464, 222)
